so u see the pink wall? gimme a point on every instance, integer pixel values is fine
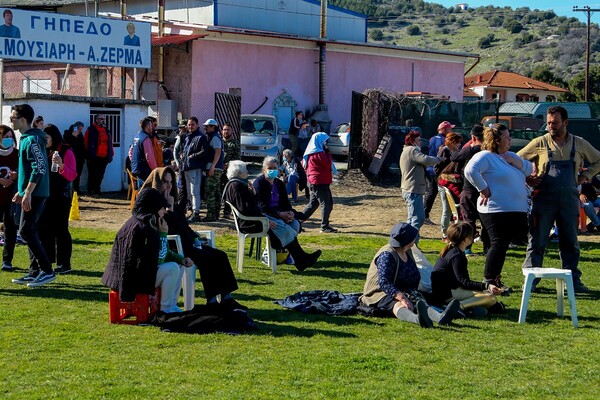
(266, 70)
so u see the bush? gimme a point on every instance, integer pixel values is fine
(376, 34)
(413, 30)
(513, 26)
(486, 41)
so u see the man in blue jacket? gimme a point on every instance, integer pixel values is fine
(195, 157)
(33, 189)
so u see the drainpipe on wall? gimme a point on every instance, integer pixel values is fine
(321, 114)
(123, 69)
(161, 50)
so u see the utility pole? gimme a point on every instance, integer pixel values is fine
(588, 11)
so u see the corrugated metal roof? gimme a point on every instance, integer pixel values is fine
(40, 3)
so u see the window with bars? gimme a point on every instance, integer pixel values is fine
(113, 123)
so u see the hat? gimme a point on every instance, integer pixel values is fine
(445, 125)
(78, 123)
(212, 122)
(402, 234)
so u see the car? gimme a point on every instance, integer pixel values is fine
(339, 140)
(260, 137)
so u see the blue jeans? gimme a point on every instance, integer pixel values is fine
(290, 186)
(28, 228)
(414, 208)
(590, 212)
(193, 180)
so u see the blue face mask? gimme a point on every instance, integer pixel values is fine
(272, 173)
(8, 142)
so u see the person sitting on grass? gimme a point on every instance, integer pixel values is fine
(213, 264)
(450, 277)
(281, 235)
(393, 278)
(140, 260)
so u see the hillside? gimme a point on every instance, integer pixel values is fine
(519, 40)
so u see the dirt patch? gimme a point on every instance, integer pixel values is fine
(360, 207)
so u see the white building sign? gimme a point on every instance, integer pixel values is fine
(62, 38)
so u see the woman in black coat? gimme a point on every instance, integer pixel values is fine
(214, 266)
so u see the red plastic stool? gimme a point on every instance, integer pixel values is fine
(139, 311)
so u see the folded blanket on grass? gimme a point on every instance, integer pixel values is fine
(322, 302)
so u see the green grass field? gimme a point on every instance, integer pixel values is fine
(56, 341)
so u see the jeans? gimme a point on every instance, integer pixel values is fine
(414, 208)
(29, 232)
(193, 180)
(502, 228)
(562, 207)
(290, 186)
(446, 211)
(320, 195)
(590, 212)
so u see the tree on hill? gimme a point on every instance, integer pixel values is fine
(413, 30)
(513, 26)
(577, 84)
(376, 34)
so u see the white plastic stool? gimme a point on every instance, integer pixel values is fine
(562, 276)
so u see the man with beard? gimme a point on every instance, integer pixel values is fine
(558, 157)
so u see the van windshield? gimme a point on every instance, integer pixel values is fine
(257, 126)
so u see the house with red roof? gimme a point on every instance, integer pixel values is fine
(510, 86)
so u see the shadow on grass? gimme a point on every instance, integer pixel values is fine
(95, 242)
(58, 291)
(325, 269)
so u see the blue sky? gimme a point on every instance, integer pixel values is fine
(560, 7)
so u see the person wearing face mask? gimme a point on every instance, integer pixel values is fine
(74, 138)
(100, 152)
(272, 195)
(319, 167)
(9, 163)
(54, 221)
(140, 260)
(241, 195)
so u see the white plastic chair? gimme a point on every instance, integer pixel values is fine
(188, 280)
(563, 277)
(272, 256)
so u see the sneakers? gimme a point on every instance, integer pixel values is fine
(62, 269)
(42, 279)
(449, 313)
(424, 320)
(506, 290)
(233, 304)
(581, 288)
(428, 221)
(328, 229)
(24, 280)
(6, 266)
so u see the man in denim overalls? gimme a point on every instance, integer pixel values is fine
(558, 157)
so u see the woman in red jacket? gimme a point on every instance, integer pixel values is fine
(319, 171)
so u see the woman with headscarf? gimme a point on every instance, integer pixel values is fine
(140, 260)
(319, 167)
(54, 221)
(214, 267)
(393, 279)
(9, 164)
(281, 235)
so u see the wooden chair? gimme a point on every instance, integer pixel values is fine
(132, 189)
(272, 256)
